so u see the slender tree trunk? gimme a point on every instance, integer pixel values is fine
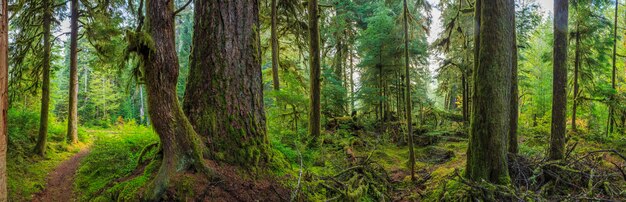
(514, 116)
(181, 147)
(40, 148)
(72, 123)
(275, 47)
(559, 82)
(465, 106)
(351, 82)
(408, 91)
(486, 156)
(4, 93)
(224, 98)
(142, 115)
(576, 69)
(613, 79)
(314, 63)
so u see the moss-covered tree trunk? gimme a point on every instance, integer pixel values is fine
(409, 107)
(611, 120)
(275, 47)
(181, 146)
(40, 148)
(514, 116)
(224, 96)
(315, 71)
(486, 156)
(72, 121)
(559, 81)
(576, 68)
(4, 94)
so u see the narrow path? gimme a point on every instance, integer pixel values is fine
(60, 182)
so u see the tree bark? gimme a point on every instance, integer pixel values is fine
(314, 63)
(559, 82)
(613, 79)
(576, 69)
(486, 156)
(4, 93)
(275, 47)
(40, 148)
(409, 110)
(72, 123)
(514, 116)
(181, 147)
(224, 98)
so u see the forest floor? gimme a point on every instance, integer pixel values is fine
(60, 182)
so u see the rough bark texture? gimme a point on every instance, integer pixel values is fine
(224, 98)
(559, 82)
(40, 148)
(4, 94)
(275, 48)
(486, 158)
(182, 148)
(72, 121)
(314, 63)
(409, 110)
(576, 68)
(514, 116)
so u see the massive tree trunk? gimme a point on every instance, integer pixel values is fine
(486, 156)
(576, 69)
(559, 82)
(4, 93)
(409, 110)
(314, 63)
(40, 148)
(181, 147)
(72, 121)
(275, 47)
(514, 116)
(224, 97)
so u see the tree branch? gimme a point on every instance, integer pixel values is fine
(182, 8)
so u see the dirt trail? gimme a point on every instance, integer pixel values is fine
(60, 181)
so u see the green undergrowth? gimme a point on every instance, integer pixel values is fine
(114, 154)
(26, 171)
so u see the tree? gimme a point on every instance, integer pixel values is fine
(275, 47)
(40, 148)
(314, 65)
(72, 121)
(4, 101)
(181, 146)
(489, 128)
(409, 109)
(224, 94)
(559, 84)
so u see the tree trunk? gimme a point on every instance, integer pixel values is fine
(613, 79)
(486, 156)
(576, 68)
(275, 59)
(181, 147)
(559, 82)
(352, 82)
(409, 110)
(465, 103)
(40, 148)
(72, 121)
(314, 63)
(514, 116)
(4, 101)
(224, 98)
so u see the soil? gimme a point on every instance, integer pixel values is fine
(60, 182)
